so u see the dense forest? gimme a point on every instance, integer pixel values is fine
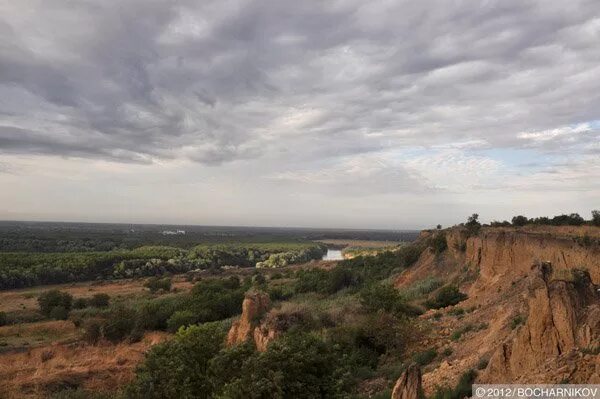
(24, 269)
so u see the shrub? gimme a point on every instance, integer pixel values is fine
(446, 296)
(456, 312)
(80, 303)
(439, 243)
(276, 276)
(3, 319)
(516, 321)
(295, 366)
(92, 331)
(421, 288)
(156, 283)
(53, 298)
(119, 325)
(153, 314)
(278, 294)
(462, 389)
(457, 334)
(99, 300)
(387, 298)
(232, 283)
(181, 318)
(425, 357)
(135, 335)
(313, 280)
(519, 221)
(596, 218)
(482, 363)
(59, 313)
(259, 279)
(447, 352)
(179, 368)
(592, 350)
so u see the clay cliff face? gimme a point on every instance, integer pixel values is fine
(511, 252)
(563, 315)
(557, 335)
(408, 385)
(255, 305)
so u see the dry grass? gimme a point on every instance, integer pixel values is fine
(26, 298)
(36, 334)
(34, 373)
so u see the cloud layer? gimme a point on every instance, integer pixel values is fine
(341, 98)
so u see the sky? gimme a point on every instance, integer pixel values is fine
(341, 113)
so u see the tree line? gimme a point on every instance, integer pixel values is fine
(25, 269)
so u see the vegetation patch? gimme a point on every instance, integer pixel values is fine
(447, 296)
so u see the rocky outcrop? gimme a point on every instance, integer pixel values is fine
(563, 315)
(255, 305)
(263, 335)
(408, 385)
(498, 252)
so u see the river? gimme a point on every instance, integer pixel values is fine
(333, 254)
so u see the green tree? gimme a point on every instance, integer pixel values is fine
(520, 220)
(473, 220)
(596, 218)
(179, 368)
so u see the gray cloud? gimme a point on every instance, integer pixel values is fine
(214, 81)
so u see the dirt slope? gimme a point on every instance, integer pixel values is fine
(517, 321)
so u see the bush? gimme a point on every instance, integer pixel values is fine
(80, 303)
(519, 221)
(99, 300)
(3, 319)
(181, 318)
(438, 243)
(313, 280)
(457, 334)
(462, 389)
(59, 313)
(386, 298)
(179, 368)
(482, 363)
(278, 294)
(446, 296)
(421, 288)
(92, 331)
(53, 298)
(119, 324)
(596, 218)
(295, 366)
(156, 283)
(516, 321)
(425, 357)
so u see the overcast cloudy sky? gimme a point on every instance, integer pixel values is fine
(353, 113)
